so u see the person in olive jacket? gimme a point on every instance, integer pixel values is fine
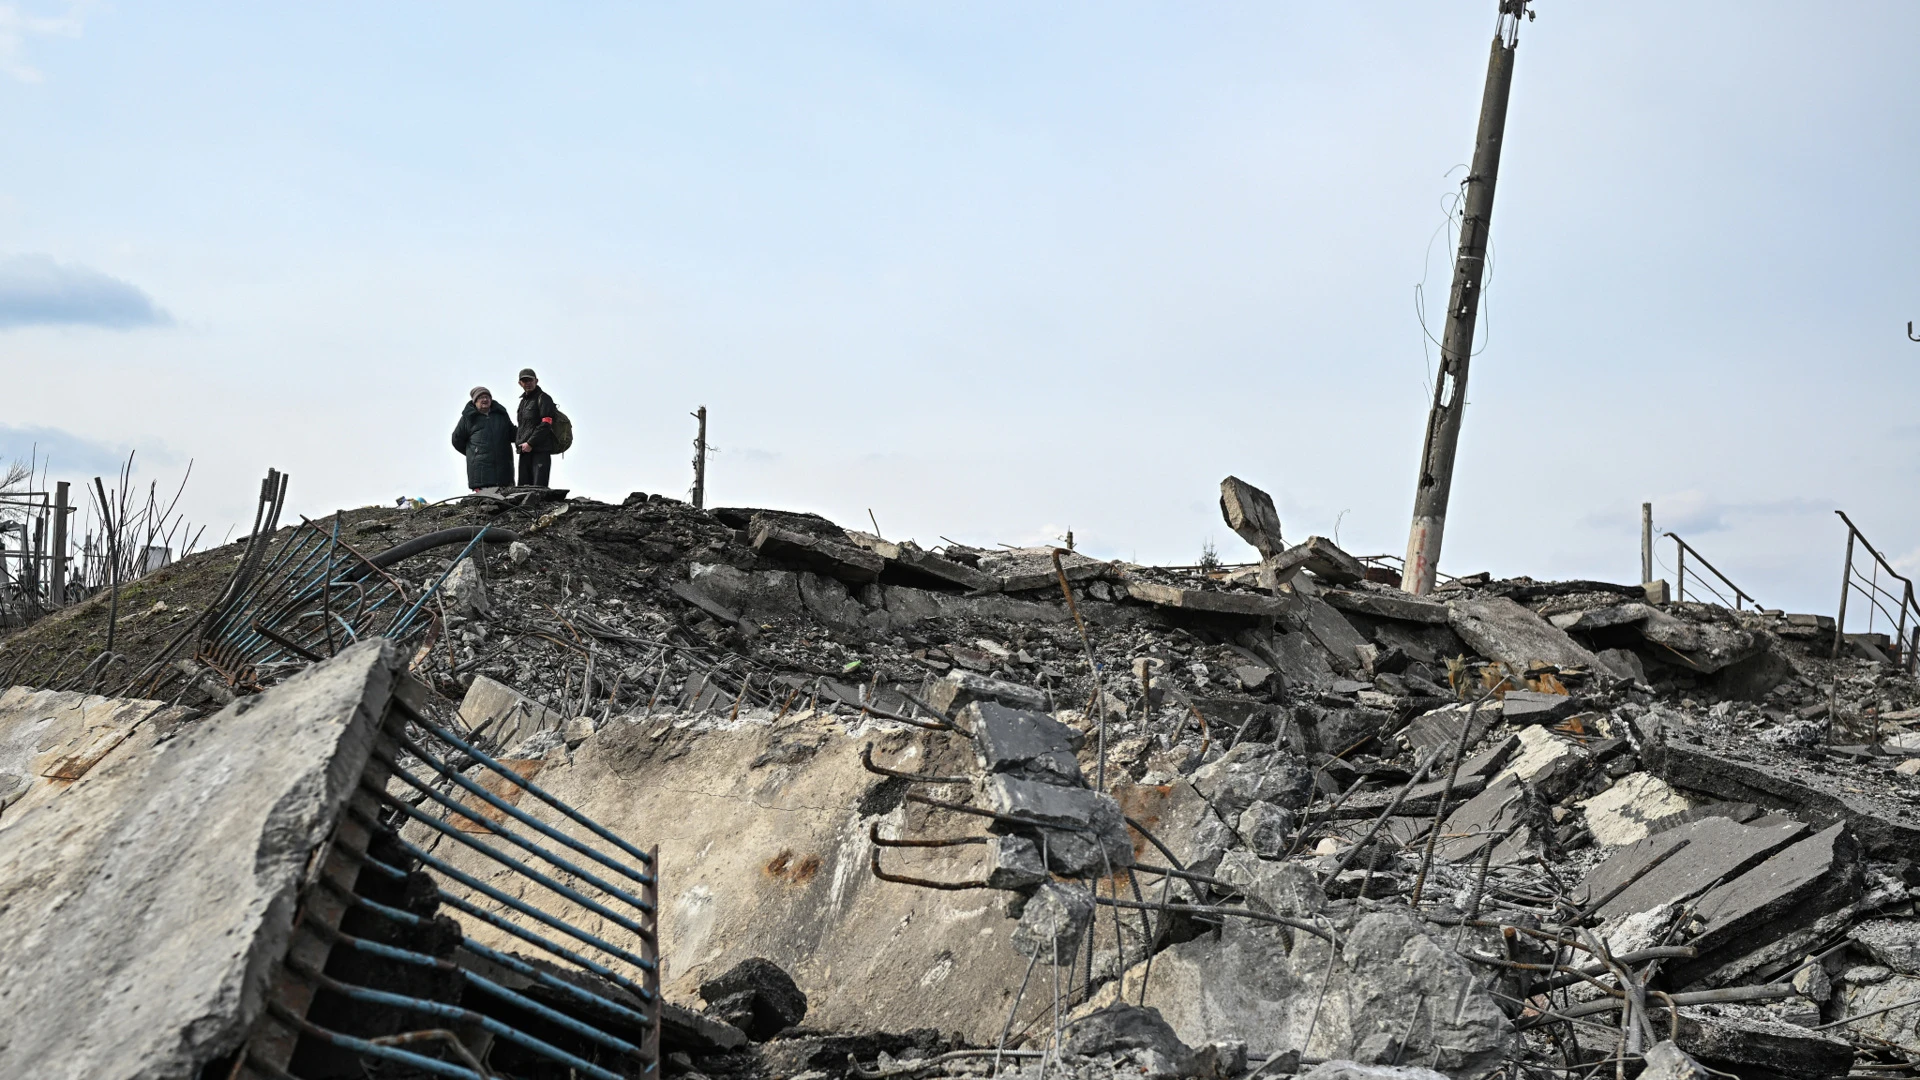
(485, 435)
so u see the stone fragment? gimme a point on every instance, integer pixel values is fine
(1666, 1061)
(956, 689)
(1052, 923)
(1893, 942)
(1252, 676)
(1624, 663)
(1750, 1047)
(1013, 862)
(502, 715)
(519, 553)
(144, 907)
(1716, 848)
(1885, 825)
(1266, 828)
(1532, 707)
(1635, 806)
(1330, 564)
(1399, 606)
(843, 561)
(1031, 745)
(907, 564)
(756, 996)
(1791, 890)
(1332, 630)
(1041, 803)
(1499, 629)
(466, 592)
(1339, 1069)
(1553, 764)
(1438, 731)
(1508, 814)
(1249, 512)
(1250, 605)
(1283, 888)
(1121, 1027)
(1897, 1025)
(1254, 772)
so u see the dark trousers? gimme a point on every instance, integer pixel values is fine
(535, 469)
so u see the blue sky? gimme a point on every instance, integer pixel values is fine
(992, 270)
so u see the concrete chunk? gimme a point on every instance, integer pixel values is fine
(1249, 605)
(142, 910)
(1013, 862)
(1030, 745)
(1882, 820)
(1249, 512)
(1052, 923)
(1380, 605)
(1789, 891)
(1893, 942)
(1532, 707)
(1330, 564)
(956, 689)
(843, 561)
(1716, 848)
(1754, 1047)
(1634, 807)
(502, 715)
(1499, 629)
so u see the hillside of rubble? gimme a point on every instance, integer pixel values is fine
(1269, 818)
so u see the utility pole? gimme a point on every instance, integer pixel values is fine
(1463, 306)
(700, 461)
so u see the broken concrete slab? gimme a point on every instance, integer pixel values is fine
(910, 565)
(1245, 983)
(1895, 943)
(1341, 1069)
(1212, 602)
(1326, 561)
(502, 715)
(206, 839)
(1635, 806)
(1749, 1047)
(1898, 994)
(1402, 607)
(1249, 512)
(838, 560)
(1508, 814)
(1533, 707)
(1499, 629)
(955, 690)
(1716, 848)
(1665, 1061)
(1254, 772)
(1791, 890)
(49, 739)
(1552, 764)
(1332, 630)
(1438, 731)
(1879, 815)
(1030, 745)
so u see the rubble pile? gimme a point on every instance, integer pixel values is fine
(1224, 821)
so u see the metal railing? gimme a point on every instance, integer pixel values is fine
(1905, 611)
(1682, 550)
(450, 930)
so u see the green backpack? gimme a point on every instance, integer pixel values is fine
(562, 431)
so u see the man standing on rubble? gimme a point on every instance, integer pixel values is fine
(534, 438)
(485, 434)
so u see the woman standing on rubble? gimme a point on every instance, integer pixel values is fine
(485, 435)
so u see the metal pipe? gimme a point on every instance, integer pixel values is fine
(1846, 586)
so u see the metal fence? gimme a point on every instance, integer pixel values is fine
(1885, 599)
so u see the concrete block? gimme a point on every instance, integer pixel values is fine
(1749, 1047)
(1266, 828)
(1332, 565)
(843, 561)
(1895, 943)
(502, 715)
(1382, 605)
(1533, 707)
(1877, 812)
(1030, 745)
(1051, 925)
(1253, 772)
(1246, 605)
(1634, 807)
(1790, 891)
(143, 910)
(1716, 848)
(1499, 629)
(955, 690)
(1013, 862)
(1249, 512)
(1657, 592)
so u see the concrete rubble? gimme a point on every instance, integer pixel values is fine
(919, 814)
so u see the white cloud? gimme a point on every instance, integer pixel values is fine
(17, 26)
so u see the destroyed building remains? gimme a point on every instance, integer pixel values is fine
(529, 786)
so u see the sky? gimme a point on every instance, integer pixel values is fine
(989, 271)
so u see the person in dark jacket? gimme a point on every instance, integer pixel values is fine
(485, 435)
(534, 436)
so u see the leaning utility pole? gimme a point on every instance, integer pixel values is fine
(700, 461)
(1463, 305)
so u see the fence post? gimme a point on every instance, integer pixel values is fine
(1846, 586)
(1646, 543)
(1679, 571)
(59, 574)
